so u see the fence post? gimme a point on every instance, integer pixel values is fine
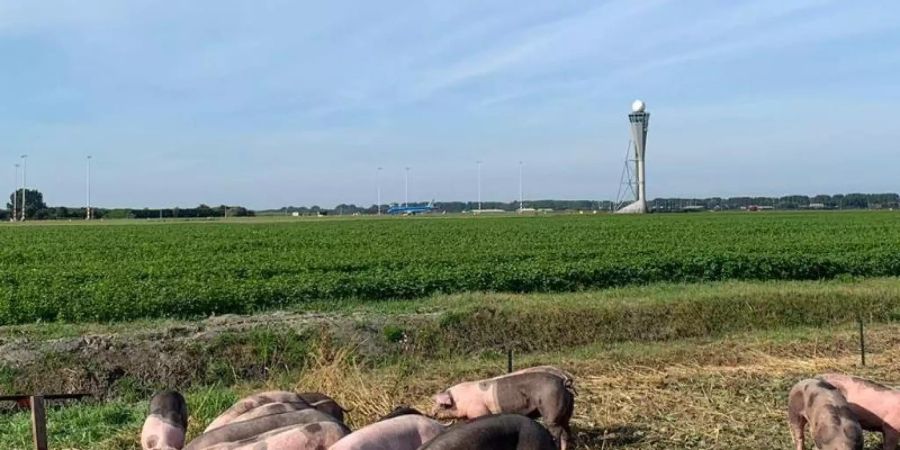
(862, 341)
(509, 364)
(38, 422)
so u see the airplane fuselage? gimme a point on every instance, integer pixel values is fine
(409, 210)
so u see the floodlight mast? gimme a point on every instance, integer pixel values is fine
(521, 202)
(378, 189)
(479, 185)
(88, 215)
(15, 209)
(24, 183)
(406, 187)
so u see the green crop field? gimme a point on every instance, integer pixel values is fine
(129, 271)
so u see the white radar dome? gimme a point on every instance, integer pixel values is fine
(638, 106)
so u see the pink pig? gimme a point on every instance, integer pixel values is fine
(529, 393)
(250, 402)
(406, 432)
(269, 409)
(165, 427)
(876, 406)
(312, 436)
(566, 376)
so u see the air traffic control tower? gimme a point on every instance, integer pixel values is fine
(639, 119)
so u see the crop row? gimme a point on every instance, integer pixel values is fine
(122, 272)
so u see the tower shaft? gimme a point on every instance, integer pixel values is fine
(639, 121)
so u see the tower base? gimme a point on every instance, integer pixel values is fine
(637, 207)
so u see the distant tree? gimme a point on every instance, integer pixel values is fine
(118, 213)
(823, 199)
(203, 211)
(34, 202)
(859, 201)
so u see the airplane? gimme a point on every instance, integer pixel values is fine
(411, 210)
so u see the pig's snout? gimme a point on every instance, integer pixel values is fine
(437, 411)
(444, 406)
(443, 412)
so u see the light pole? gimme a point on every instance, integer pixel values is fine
(406, 187)
(378, 189)
(15, 209)
(520, 187)
(479, 185)
(24, 183)
(88, 215)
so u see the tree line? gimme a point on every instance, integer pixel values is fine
(37, 209)
(673, 204)
(837, 201)
(449, 207)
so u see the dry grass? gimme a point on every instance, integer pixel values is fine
(724, 393)
(717, 394)
(339, 374)
(368, 394)
(728, 394)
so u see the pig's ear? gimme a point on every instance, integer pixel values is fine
(444, 399)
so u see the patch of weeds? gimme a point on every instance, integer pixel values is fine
(254, 355)
(393, 333)
(451, 319)
(8, 376)
(130, 389)
(285, 349)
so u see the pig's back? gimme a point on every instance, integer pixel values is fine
(268, 410)
(318, 435)
(399, 433)
(873, 403)
(250, 402)
(496, 432)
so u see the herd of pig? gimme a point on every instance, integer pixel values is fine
(838, 408)
(497, 413)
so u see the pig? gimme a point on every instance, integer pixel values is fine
(324, 403)
(403, 432)
(831, 421)
(876, 406)
(239, 431)
(312, 436)
(165, 427)
(567, 377)
(247, 403)
(532, 394)
(269, 409)
(401, 410)
(494, 432)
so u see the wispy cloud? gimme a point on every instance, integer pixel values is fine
(27, 17)
(816, 27)
(541, 46)
(351, 84)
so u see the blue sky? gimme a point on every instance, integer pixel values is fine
(267, 104)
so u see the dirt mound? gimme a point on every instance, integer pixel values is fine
(171, 355)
